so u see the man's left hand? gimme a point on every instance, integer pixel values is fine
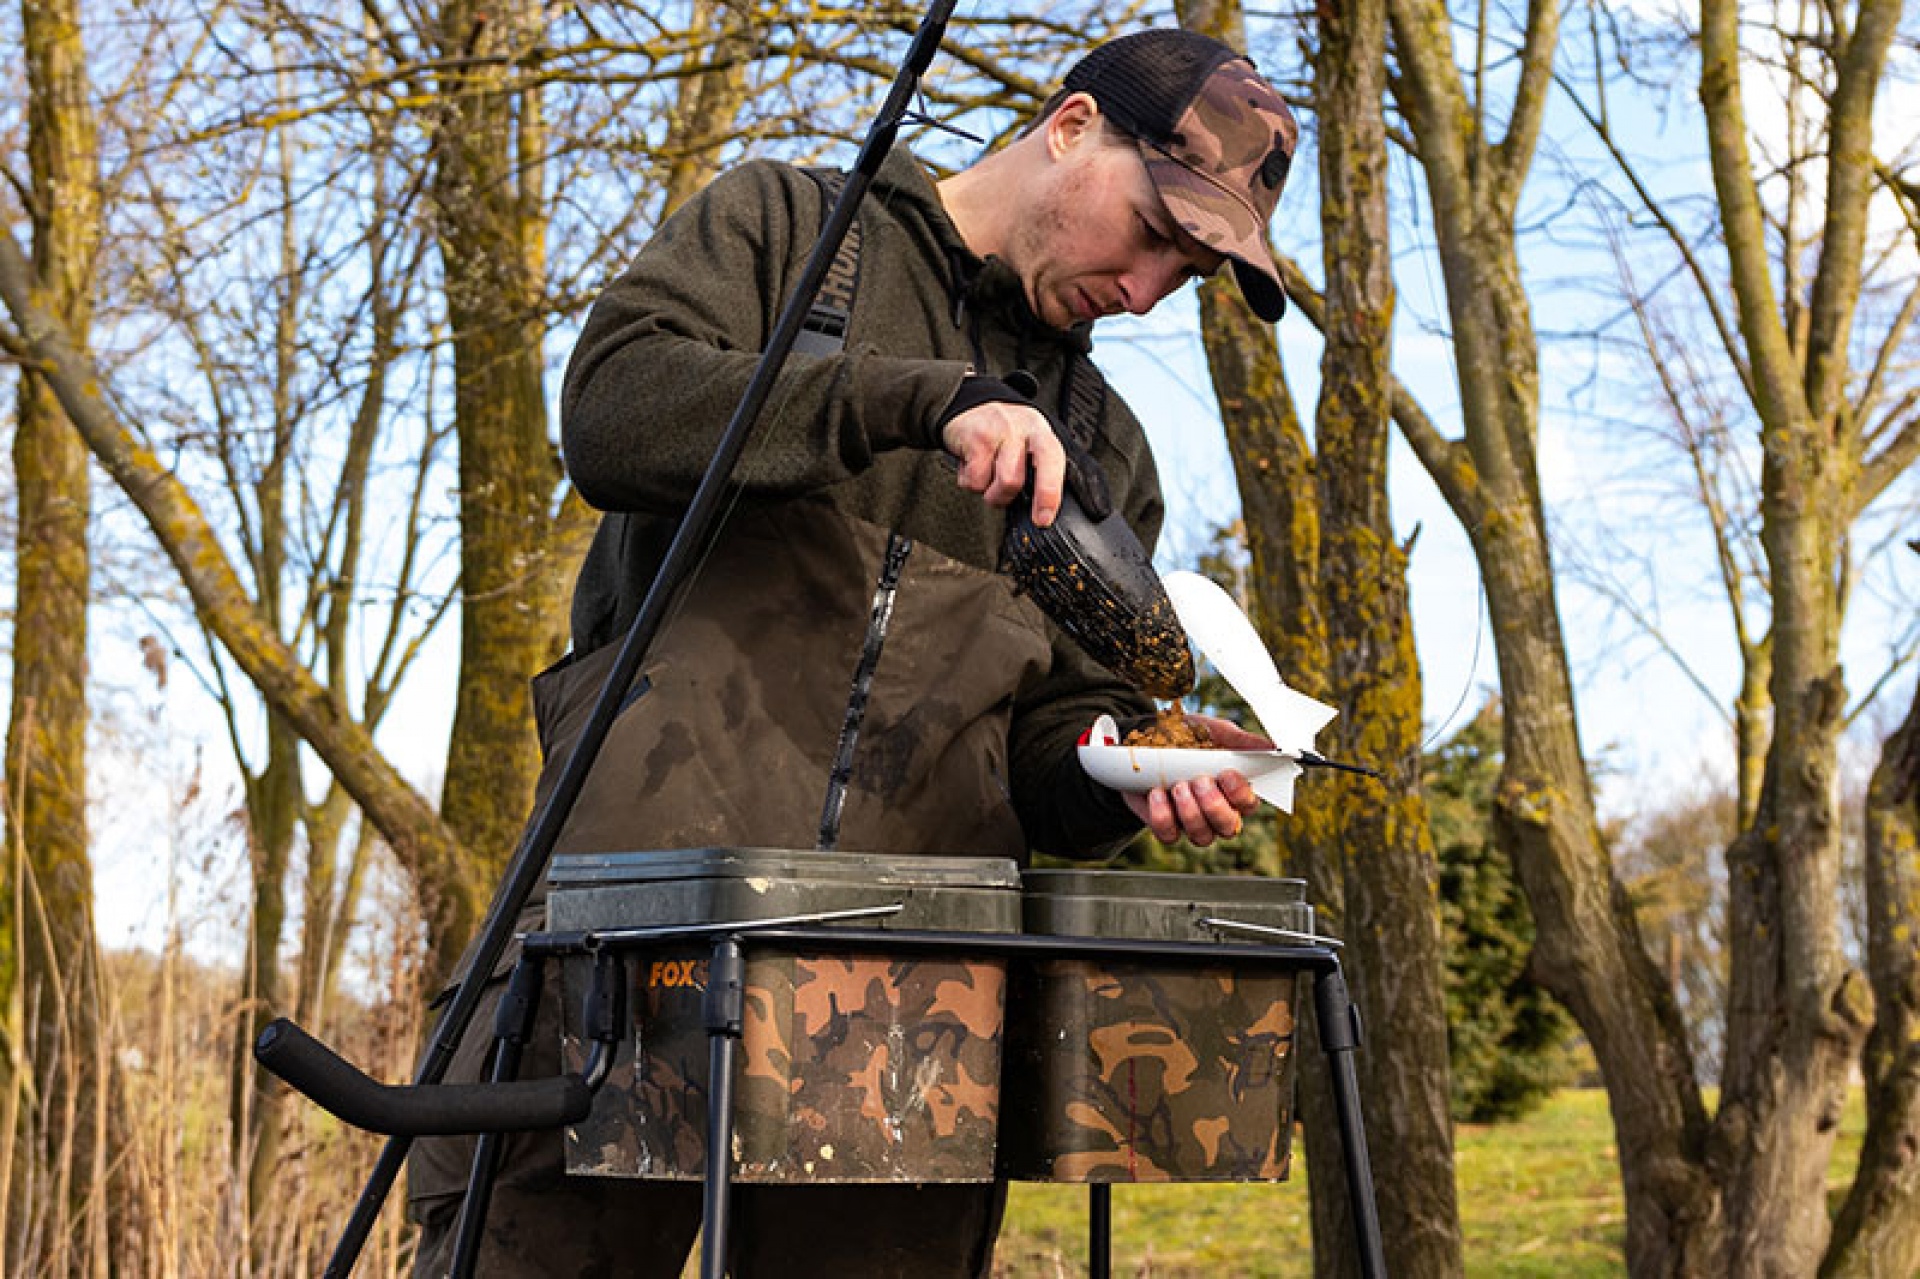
(999, 444)
(1207, 808)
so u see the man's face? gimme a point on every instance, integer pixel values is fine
(1097, 239)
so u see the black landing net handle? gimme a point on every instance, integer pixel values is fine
(311, 1068)
(285, 1043)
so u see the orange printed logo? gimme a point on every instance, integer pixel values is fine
(677, 973)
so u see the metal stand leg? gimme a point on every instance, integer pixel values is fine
(725, 1013)
(1099, 1230)
(512, 1027)
(1339, 1024)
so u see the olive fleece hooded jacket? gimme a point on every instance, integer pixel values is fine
(967, 743)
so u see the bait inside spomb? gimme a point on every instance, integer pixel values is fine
(1291, 719)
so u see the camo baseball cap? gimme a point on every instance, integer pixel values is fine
(1216, 137)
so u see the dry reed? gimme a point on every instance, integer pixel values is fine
(164, 1194)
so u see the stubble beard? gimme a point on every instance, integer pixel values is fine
(1051, 222)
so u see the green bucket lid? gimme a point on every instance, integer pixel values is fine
(1145, 905)
(1252, 890)
(652, 866)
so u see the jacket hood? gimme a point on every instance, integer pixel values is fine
(984, 286)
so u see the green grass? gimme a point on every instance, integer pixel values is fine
(1538, 1197)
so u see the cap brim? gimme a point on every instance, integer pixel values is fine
(1225, 223)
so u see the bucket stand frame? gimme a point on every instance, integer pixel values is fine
(724, 1013)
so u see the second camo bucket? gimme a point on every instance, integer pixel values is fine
(1121, 1070)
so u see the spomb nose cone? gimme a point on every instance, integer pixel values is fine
(1097, 584)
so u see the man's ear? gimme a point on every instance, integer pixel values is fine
(1074, 121)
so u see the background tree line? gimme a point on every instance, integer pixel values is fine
(285, 286)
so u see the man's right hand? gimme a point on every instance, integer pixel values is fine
(998, 445)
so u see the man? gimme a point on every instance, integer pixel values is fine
(1159, 161)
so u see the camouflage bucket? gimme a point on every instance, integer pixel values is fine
(1120, 1070)
(852, 1066)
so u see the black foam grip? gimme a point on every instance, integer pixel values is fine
(433, 1110)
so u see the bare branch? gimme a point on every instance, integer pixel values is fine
(1723, 325)
(1447, 461)
(1662, 353)
(1513, 157)
(1628, 598)
(1906, 650)
(1836, 286)
(1900, 450)
(405, 818)
(1778, 393)
(1897, 332)
(1428, 94)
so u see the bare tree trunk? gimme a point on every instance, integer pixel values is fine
(327, 903)
(1796, 1012)
(273, 812)
(1830, 442)
(47, 935)
(491, 216)
(51, 938)
(1587, 950)
(517, 559)
(1274, 468)
(1878, 1230)
(1329, 589)
(1381, 839)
